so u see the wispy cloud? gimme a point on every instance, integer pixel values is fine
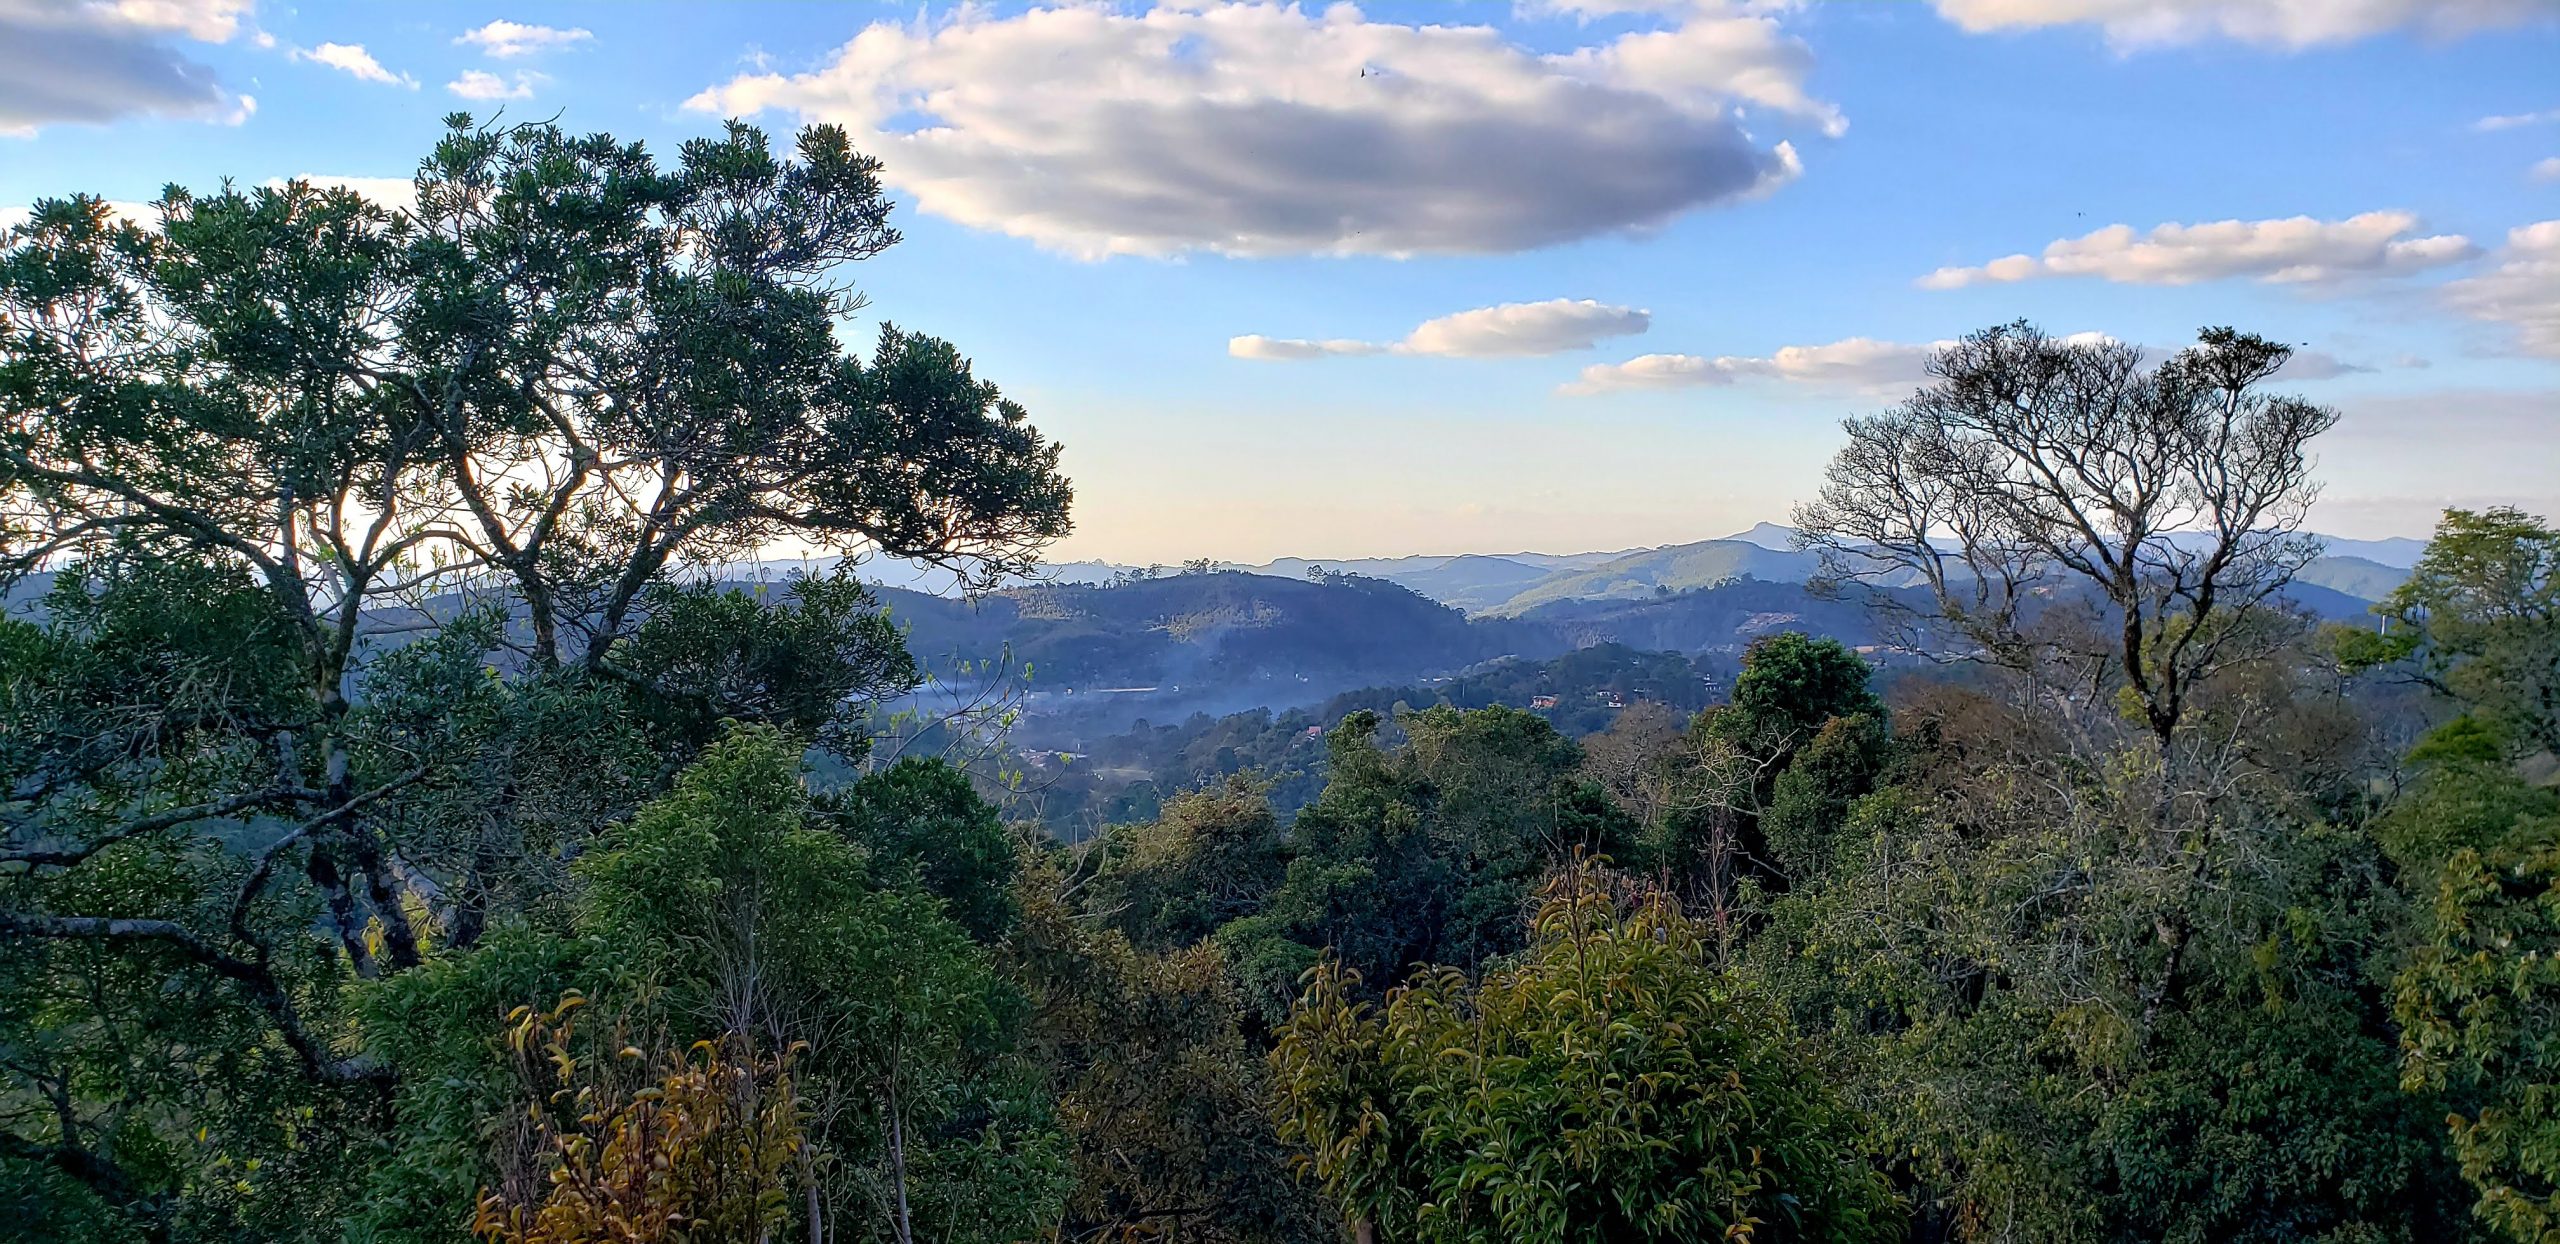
(1511, 329)
(505, 39)
(480, 84)
(2133, 25)
(1857, 362)
(353, 60)
(2295, 250)
(2516, 120)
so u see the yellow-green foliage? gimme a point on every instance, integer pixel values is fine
(695, 1156)
(2479, 1006)
(1609, 1085)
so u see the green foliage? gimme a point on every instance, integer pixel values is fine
(443, 1027)
(366, 719)
(1790, 685)
(1159, 1089)
(811, 659)
(923, 825)
(1428, 853)
(1990, 964)
(1212, 856)
(1813, 795)
(737, 906)
(2479, 618)
(364, 527)
(1610, 1085)
(2479, 1006)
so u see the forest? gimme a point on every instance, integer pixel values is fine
(408, 837)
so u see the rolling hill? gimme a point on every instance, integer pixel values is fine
(1677, 568)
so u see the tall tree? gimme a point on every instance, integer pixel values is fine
(2175, 494)
(314, 428)
(2478, 619)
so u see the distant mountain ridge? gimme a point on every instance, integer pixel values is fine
(1512, 584)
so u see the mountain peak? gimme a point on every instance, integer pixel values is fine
(1775, 537)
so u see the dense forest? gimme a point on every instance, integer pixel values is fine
(408, 837)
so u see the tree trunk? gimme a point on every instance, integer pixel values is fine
(898, 1164)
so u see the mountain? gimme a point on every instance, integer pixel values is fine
(2398, 552)
(1474, 581)
(1507, 584)
(1720, 619)
(1213, 626)
(1676, 568)
(1466, 580)
(2362, 578)
(1771, 536)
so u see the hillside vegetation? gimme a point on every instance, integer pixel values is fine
(414, 828)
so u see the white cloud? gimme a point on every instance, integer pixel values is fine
(2545, 169)
(1650, 371)
(2521, 290)
(351, 58)
(482, 84)
(2320, 365)
(2516, 120)
(1266, 129)
(1512, 329)
(205, 21)
(2296, 250)
(100, 62)
(1592, 10)
(504, 39)
(2292, 24)
(396, 193)
(1257, 346)
(1856, 363)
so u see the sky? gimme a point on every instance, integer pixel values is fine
(1560, 275)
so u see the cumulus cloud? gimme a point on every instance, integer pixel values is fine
(2290, 24)
(2521, 290)
(2297, 250)
(482, 84)
(1856, 363)
(1265, 129)
(352, 59)
(99, 62)
(2516, 120)
(505, 39)
(1512, 329)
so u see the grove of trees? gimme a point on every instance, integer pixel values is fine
(402, 841)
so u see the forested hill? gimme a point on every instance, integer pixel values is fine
(1220, 627)
(1229, 640)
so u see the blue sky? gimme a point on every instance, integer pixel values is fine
(1719, 221)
